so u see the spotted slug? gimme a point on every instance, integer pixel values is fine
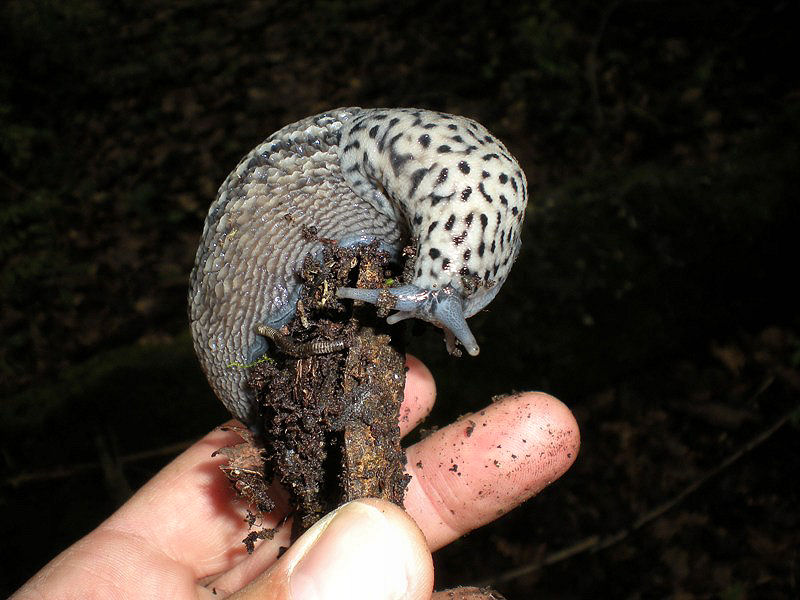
(396, 175)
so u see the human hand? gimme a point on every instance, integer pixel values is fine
(180, 536)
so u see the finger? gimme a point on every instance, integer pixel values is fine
(366, 549)
(419, 394)
(482, 466)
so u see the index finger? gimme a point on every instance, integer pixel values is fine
(487, 463)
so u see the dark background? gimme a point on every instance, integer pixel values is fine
(655, 292)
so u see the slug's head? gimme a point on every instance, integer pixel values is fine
(462, 195)
(444, 307)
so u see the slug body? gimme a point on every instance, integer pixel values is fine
(357, 175)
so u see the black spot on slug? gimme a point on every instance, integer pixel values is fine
(445, 264)
(463, 166)
(442, 176)
(416, 178)
(484, 221)
(465, 194)
(382, 141)
(432, 226)
(481, 249)
(475, 137)
(417, 219)
(434, 253)
(482, 190)
(374, 131)
(467, 254)
(469, 218)
(450, 222)
(398, 160)
(425, 140)
(503, 178)
(435, 199)
(453, 127)
(443, 149)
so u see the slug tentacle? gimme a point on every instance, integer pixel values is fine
(355, 175)
(441, 307)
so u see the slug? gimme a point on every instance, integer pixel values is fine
(396, 175)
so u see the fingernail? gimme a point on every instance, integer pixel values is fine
(352, 553)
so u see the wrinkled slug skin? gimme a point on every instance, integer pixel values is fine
(356, 175)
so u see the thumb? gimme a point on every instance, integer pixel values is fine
(368, 549)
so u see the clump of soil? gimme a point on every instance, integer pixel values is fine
(329, 395)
